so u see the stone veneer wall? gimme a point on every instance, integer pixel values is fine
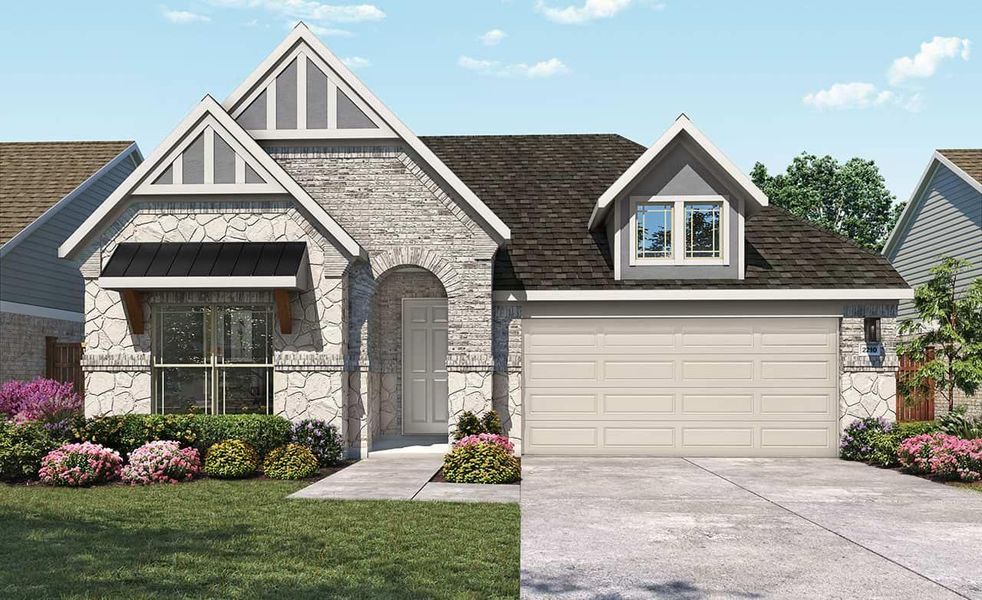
(22, 343)
(507, 381)
(403, 217)
(868, 381)
(308, 363)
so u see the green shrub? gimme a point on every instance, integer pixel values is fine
(470, 424)
(856, 442)
(884, 444)
(959, 424)
(262, 432)
(126, 433)
(291, 461)
(21, 449)
(491, 422)
(480, 463)
(231, 459)
(322, 439)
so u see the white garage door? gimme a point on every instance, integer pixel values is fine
(690, 386)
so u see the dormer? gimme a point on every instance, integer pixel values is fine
(678, 211)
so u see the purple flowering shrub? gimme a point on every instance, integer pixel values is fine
(857, 440)
(162, 462)
(490, 438)
(322, 439)
(77, 465)
(943, 456)
(52, 403)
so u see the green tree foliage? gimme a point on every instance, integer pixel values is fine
(850, 199)
(950, 324)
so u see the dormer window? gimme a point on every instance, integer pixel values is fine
(679, 230)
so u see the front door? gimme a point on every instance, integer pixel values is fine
(424, 365)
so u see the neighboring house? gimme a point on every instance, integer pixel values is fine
(298, 250)
(942, 218)
(46, 190)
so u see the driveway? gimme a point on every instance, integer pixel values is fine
(744, 528)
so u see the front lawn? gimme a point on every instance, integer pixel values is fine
(233, 539)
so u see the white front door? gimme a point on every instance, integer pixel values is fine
(424, 366)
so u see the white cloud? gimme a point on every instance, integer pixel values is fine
(539, 70)
(848, 95)
(493, 37)
(323, 31)
(925, 63)
(311, 10)
(183, 17)
(356, 62)
(589, 11)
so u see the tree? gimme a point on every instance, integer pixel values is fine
(951, 325)
(850, 199)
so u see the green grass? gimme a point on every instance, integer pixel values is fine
(975, 485)
(241, 539)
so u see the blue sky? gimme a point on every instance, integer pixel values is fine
(884, 80)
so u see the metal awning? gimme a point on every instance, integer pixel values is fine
(136, 267)
(207, 265)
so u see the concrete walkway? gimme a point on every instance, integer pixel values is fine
(397, 470)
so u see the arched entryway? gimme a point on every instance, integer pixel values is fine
(407, 343)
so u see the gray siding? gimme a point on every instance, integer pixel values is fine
(33, 274)
(947, 220)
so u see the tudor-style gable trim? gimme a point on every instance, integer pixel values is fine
(209, 113)
(682, 125)
(363, 98)
(917, 197)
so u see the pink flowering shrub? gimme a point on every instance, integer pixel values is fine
(490, 438)
(77, 465)
(162, 462)
(52, 403)
(942, 455)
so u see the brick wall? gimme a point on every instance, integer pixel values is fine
(868, 381)
(22, 343)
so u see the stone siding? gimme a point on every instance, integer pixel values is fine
(22, 343)
(868, 380)
(308, 363)
(403, 217)
(507, 382)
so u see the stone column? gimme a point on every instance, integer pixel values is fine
(868, 381)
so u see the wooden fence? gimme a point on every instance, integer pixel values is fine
(919, 407)
(63, 362)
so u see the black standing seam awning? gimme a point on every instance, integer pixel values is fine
(205, 259)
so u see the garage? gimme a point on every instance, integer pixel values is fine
(703, 386)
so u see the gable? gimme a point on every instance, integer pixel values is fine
(296, 94)
(208, 160)
(353, 112)
(685, 132)
(192, 146)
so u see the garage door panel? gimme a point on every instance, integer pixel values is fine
(628, 438)
(549, 371)
(561, 402)
(675, 386)
(638, 404)
(637, 370)
(719, 403)
(799, 404)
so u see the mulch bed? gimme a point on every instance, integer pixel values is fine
(439, 478)
(320, 474)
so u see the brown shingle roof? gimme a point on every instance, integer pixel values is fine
(966, 159)
(544, 187)
(36, 175)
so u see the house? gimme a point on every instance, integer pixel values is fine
(942, 218)
(46, 190)
(297, 249)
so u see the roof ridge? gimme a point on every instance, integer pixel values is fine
(49, 142)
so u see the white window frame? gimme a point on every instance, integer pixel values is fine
(678, 230)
